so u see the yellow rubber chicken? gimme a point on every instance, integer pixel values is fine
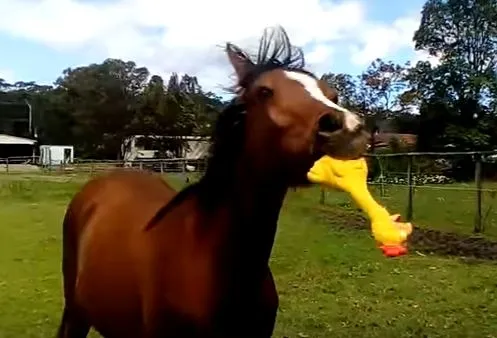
(351, 176)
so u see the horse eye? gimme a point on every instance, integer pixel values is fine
(265, 92)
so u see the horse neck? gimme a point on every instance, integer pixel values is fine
(253, 205)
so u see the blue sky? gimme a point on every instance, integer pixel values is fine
(33, 49)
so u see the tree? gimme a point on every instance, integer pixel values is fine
(382, 82)
(457, 96)
(102, 99)
(376, 95)
(16, 100)
(463, 33)
(346, 88)
(96, 108)
(179, 109)
(463, 30)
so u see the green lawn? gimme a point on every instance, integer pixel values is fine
(332, 283)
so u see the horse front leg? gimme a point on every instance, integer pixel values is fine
(261, 321)
(269, 306)
(72, 325)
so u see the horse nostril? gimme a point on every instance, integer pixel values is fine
(328, 124)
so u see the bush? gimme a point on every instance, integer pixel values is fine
(419, 179)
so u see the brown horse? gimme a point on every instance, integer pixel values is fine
(142, 261)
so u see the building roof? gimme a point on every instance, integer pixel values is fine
(383, 139)
(8, 139)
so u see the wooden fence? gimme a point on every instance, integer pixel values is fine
(18, 165)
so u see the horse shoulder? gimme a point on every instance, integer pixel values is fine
(186, 268)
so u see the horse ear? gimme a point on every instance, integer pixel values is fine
(239, 60)
(334, 96)
(330, 92)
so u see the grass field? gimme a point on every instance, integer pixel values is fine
(332, 282)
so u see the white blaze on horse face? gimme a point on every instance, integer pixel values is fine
(351, 120)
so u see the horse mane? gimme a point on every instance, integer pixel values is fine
(275, 52)
(226, 145)
(227, 140)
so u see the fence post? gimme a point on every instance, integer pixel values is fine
(161, 167)
(7, 165)
(410, 189)
(49, 161)
(478, 224)
(141, 165)
(382, 179)
(322, 196)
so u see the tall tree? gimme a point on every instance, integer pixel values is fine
(103, 99)
(96, 107)
(346, 88)
(463, 34)
(382, 82)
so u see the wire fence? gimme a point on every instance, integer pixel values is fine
(443, 189)
(451, 189)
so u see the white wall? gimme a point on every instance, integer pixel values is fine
(54, 155)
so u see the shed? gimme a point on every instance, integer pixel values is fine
(139, 147)
(14, 146)
(56, 154)
(383, 140)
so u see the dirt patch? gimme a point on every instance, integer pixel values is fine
(452, 244)
(423, 240)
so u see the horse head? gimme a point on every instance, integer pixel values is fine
(287, 117)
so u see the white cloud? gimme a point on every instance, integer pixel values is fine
(184, 36)
(319, 57)
(425, 56)
(7, 75)
(382, 40)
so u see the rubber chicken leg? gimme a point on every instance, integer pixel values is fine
(351, 176)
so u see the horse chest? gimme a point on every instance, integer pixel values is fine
(195, 288)
(203, 304)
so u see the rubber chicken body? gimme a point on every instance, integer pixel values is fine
(351, 176)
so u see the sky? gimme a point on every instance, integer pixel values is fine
(41, 38)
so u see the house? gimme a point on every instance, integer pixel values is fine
(385, 133)
(137, 147)
(17, 147)
(405, 141)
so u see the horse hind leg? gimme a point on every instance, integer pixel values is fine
(73, 324)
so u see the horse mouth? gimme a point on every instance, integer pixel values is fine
(333, 140)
